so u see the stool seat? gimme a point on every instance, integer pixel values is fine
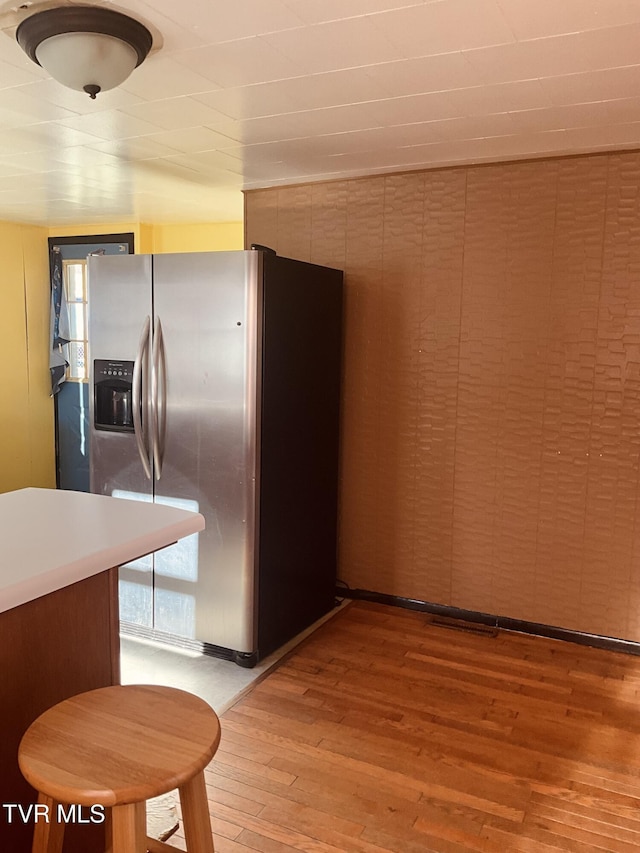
(121, 745)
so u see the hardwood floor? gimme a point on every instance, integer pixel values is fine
(386, 734)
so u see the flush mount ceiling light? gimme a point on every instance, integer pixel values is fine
(87, 48)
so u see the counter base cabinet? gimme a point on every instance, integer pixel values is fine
(52, 648)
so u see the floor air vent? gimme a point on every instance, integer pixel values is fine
(461, 625)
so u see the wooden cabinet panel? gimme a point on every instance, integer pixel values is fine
(52, 648)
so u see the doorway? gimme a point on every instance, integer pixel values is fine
(72, 401)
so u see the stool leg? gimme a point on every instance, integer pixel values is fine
(129, 828)
(48, 837)
(195, 816)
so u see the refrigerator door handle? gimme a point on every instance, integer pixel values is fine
(140, 402)
(159, 397)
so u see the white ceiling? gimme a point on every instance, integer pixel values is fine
(251, 93)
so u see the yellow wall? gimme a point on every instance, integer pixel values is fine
(198, 237)
(176, 237)
(26, 414)
(100, 228)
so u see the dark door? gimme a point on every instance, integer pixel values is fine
(72, 401)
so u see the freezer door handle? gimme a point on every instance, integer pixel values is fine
(159, 397)
(140, 402)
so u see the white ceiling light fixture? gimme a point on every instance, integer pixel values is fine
(88, 48)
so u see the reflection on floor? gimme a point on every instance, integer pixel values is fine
(218, 682)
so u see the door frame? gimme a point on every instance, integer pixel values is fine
(126, 238)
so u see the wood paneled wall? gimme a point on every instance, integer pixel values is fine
(491, 406)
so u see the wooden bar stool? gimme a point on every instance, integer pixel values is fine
(118, 747)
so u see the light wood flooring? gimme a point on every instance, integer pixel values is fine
(383, 733)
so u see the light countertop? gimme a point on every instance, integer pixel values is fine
(51, 538)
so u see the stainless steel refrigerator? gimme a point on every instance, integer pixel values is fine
(215, 386)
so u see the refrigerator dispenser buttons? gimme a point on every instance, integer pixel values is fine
(112, 389)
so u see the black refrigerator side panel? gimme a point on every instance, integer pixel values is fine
(301, 381)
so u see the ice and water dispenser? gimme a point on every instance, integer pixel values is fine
(113, 407)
